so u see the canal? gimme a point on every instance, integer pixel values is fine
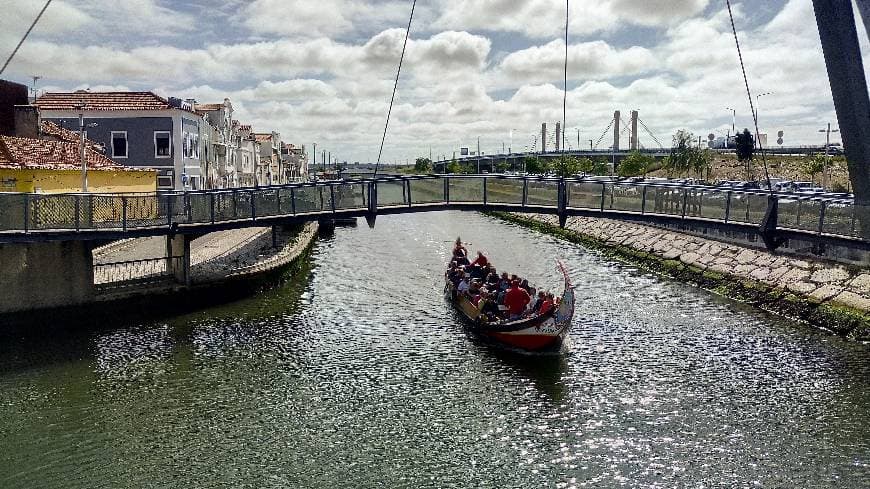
(359, 375)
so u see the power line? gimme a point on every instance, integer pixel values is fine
(14, 51)
(395, 87)
(749, 95)
(565, 92)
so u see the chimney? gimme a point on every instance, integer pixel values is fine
(558, 136)
(27, 121)
(11, 94)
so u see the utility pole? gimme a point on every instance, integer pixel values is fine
(82, 149)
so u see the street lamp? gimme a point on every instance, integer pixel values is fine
(828, 132)
(757, 97)
(733, 120)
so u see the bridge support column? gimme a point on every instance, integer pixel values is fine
(767, 230)
(45, 275)
(178, 257)
(839, 37)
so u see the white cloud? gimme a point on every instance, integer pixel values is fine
(307, 19)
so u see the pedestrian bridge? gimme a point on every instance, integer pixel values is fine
(99, 217)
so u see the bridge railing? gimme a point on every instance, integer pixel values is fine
(31, 213)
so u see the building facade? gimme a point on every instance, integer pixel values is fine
(137, 130)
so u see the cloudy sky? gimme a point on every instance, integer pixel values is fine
(322, 71)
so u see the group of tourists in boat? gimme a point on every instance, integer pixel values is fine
(506, 308)
(499, 298)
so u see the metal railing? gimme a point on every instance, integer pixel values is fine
(34, 214)
(135, 270)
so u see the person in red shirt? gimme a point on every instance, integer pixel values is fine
(480, 260)
(516, 299)
(547, 305)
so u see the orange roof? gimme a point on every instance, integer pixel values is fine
(102, 101)
(51, 129)
(262, 138)
(28, 153)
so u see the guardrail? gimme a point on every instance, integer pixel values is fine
(135, 270)
(34, 214)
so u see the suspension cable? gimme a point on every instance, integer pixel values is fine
(15, 51)
(661, 146)
(395, 87)
(749, 95)
(604, 133)
(565, 91)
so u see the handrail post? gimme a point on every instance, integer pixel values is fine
(332, 197)
(603, 192)
(410, 200)
(685, 201)
(278, 198)
(525, 191)
(822, 217)
(728, 207)
(446, 190)
(26, 212)
(293, 200)
(169, 205)
(124, 213)
(485, 179)
(798, 214)
(187, 207)
(253, 207)
(852, 232)
(562, 202)
(78, 212)
(643, 201)
(211, 205)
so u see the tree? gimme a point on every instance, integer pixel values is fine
(636, 163)
(423, 165)
(566, 166)
(681, 158)
(813, 166)
(702, 162)
(585, 165)
(502, 166)
(454, 167)
(535, 165)
(600, 167)
(745, 150)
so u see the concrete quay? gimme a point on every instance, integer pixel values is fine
(829, 295)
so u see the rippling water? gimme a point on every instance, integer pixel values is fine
(361, 376)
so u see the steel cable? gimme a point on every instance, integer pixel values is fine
(15, 51)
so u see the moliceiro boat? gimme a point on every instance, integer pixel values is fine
(495, 316)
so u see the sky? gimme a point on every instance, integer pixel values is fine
(323, 71)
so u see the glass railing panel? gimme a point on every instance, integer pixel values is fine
(788, 213)
(713, 204)
(543, 193)
(839, 219)
(504, 191)
(311, 199)
(285, 200)
(12, 212)
(585, 195)
(664, 200)
(392, 194)
(266, 202)
(466, 189)
(427, 191)
(350, 196)
(861, 222)
(623, 198)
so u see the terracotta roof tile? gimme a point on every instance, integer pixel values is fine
(28, 153)
(53, 130)
(262, 138)
(102, 101)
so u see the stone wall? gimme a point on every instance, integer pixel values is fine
(840, 289)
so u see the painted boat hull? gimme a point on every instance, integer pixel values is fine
(538, 334)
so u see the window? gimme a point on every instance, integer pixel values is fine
(162, 144)
(119, 144)
(165, 181)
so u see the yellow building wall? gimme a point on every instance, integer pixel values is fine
(69, 181)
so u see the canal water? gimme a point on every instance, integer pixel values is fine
(360, 375)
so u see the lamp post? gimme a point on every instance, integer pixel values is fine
(733, 122)
(827, 132)
(757, 97)
(82, 150)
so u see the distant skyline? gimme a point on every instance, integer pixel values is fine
(322, 72)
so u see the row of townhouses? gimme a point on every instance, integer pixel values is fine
(192, 146)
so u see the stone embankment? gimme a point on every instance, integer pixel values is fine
(828, 295)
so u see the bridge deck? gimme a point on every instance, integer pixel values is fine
(42, 217)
